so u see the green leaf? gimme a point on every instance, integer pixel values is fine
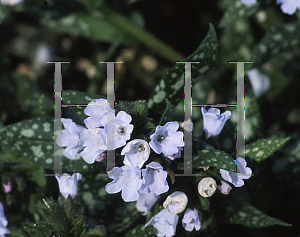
(94, 26)
(236, 10)
(206, 155)
(278, 39)
(70, 97)
(142, 231)
(166, 114)
(97, 231)
(33, 139)
(263, 148)
(251, 217)
(171, 85)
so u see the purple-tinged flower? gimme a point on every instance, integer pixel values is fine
(93, 143)
(176, 202)
(145, 202)
(176, 155)
(68, 184)
(136, 153)
(126, 179)
(213, 122)
(122, 129)
(289, 6)
(166, 139)
(224, 187)
(3, 222)
(237, 178)
(70, 137)
(101, 157)
(154, 179)
(191, 220)
(248, 2)
(11, 2)
(95, 110)
(165, 223)
(7, 187)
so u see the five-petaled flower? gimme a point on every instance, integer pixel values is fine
(154, 179)
(237, 178)
(166, 139)
(68, 184)
(136, 153)
(122, 128)
(126, 179)
(190, 220)
(165, 223)
(213, 122)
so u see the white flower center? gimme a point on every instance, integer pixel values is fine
(160, 138)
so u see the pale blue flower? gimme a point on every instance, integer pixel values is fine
(95, 110)
(136, 153)
(213, 122)
(166, 139)
(68, 184)
(190, 220)
(126, 179)
(289, 6)
(93, 143)
(70, 137)
(260, 82)
(145, 202)
(248, 2)
(237, 178)
(176, 155)
(154, 179)
(165, 223)
(122, 129)
(3, 222)
(224, 187)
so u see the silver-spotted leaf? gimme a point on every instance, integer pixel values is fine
(171, 86)
(206, 155)
(251, 217)
(263, 148)
(278, 39)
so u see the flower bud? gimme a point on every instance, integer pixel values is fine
(207, 187)
(176, 202)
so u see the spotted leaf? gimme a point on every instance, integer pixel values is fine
(236, 10)
(206, 155)
(278, 39)
(171, 86)
(263, 148)
(251, 217)
(78, 101)
(34, 140)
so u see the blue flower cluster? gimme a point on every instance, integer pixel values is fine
(135, 183)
